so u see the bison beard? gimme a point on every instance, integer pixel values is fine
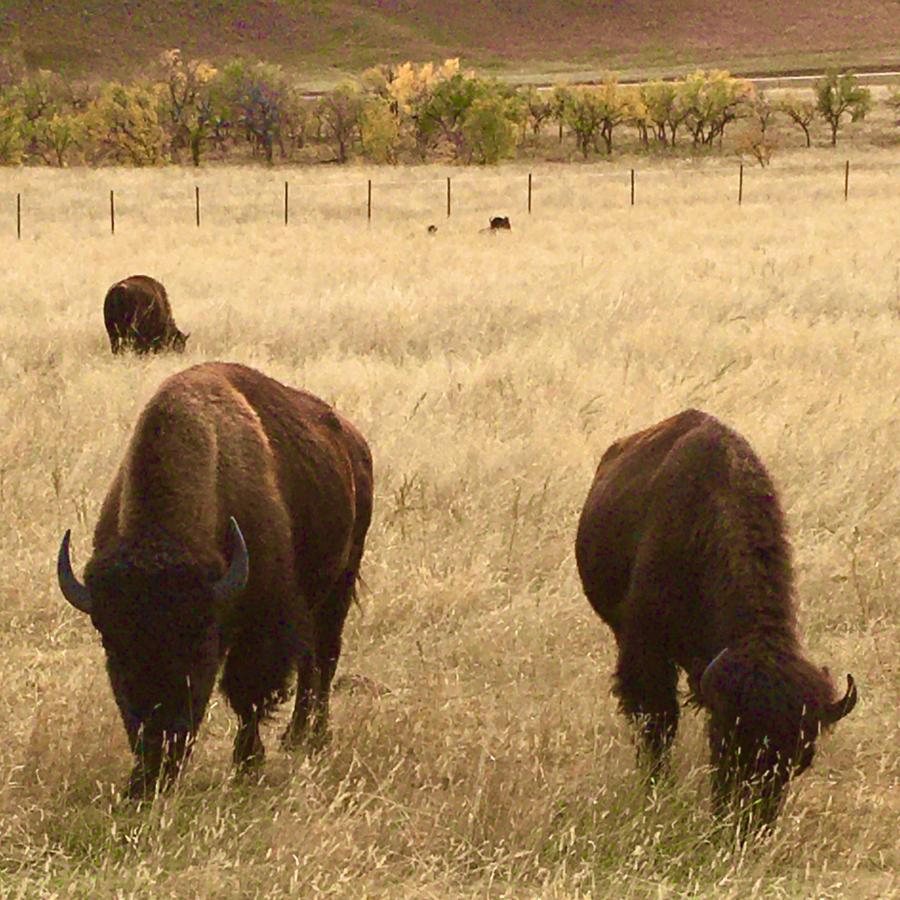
(231, 537)
(682, 551)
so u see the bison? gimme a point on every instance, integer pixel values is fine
(138, 317)
(682, 551)
(232, 532)
(499, 223)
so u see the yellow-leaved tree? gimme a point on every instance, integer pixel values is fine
(186, 101)
(124, 124)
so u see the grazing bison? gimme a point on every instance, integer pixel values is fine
(682, 551)
(138, 317)
(500, 223)
(232, 531)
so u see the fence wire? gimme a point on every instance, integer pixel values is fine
(257, 201)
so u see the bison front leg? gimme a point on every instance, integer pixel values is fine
(159, 760)
(249, 751)
(646, 686)
(148, 752)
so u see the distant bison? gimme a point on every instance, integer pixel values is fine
(500, 223)
(138, 317)
(682, 551)
(233, 531)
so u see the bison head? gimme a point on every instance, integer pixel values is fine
(160, 617)
(766, 711)
(179, 341)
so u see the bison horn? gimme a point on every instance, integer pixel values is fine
(834, 712)
(705, 677)
(235, 579)
(73, 590)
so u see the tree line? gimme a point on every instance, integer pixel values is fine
(190, 110)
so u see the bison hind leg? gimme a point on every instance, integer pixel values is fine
(315, 671)
(647, 690)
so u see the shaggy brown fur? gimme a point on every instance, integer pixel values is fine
(682, 551)
(216, 441)
(138, 317)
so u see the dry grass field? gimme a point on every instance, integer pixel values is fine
(477, 751)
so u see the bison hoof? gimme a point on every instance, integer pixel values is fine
(306, 740)
(141, 787)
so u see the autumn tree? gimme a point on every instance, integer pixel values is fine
(560, 97)
(124, 124)
(340, 111)
(592, 114)
(838, 96)
(712, 101)
(12, 144)
(187, 102)
(489, 126)
(893, 101)
(539, 108)
(253, 97)
(380, 130)
(665, 110)
(801, 111)
(614, 108)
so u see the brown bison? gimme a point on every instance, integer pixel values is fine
(138, 317)
(232, 531)
(682, 551)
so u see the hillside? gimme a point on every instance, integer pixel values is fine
(107, 37)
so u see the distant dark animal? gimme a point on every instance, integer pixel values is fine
(432, 229)
(682, 551)
(233, 531)
(138, 317)
(500, 223)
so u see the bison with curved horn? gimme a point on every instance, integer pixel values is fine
(138, 316)
(231, 537)
(682, 551)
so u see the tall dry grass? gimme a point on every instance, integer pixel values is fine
(477, 751)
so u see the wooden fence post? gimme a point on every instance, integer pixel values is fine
(632, 187)
(19, 217)
(741, 185)
(448, 196)
(846, 179)
(529, 193)
(369, 203)
(112, 212)
(285, 203)
(197, 204)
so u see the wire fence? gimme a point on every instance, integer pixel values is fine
(372, 199)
